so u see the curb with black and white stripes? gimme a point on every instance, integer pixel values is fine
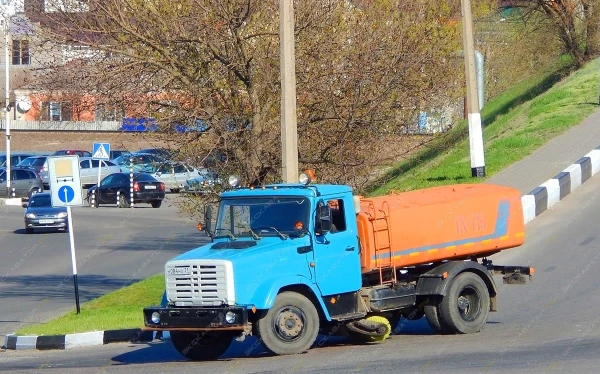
(534, 203)
(86, 339)
(555, 189)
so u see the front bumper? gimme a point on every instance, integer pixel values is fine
(49, 223)
(195, 319)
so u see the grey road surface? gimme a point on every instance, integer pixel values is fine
(114, 247)
(550, 325)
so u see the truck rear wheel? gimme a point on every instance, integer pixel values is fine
(432, 314)
(466, 305)
(291, 325)
(201, 346)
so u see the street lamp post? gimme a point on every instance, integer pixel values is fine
(474, 117)
(287, 61)
(7, 102)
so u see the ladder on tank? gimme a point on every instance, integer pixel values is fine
(381, 224)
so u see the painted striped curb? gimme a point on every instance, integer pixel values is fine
(555, 189)
(86, 339)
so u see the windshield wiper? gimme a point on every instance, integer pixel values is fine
(229, 234)
(281, 235)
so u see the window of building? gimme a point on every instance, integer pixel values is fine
(20, 52)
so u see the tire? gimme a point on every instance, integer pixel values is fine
(290, 326)
(199, 346)
(122, 201)
(28, 230)
(33, 192)
(412, 314)
(156, 203)
(96, 202)
(432, 314)
(466, 305)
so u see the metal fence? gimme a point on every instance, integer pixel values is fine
(63, 125)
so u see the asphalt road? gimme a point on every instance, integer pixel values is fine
(114, 247)
(549, 325)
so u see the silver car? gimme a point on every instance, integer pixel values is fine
(88, 171)
(174, 175)
(24, 181)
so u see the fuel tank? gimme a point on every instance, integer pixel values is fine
(441, 223)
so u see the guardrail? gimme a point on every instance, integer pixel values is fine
(63, 125)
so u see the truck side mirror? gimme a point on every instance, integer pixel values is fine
(324, 219)
(208, 216)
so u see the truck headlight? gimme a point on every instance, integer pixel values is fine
(230, 317)
(155, 318)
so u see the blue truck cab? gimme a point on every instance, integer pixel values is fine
(284, 264)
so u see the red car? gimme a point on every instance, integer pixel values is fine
(78, 152)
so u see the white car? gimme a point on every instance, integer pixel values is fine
(174, 175)
(88, 171)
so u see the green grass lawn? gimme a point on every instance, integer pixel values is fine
(515, 124)
(117, 310)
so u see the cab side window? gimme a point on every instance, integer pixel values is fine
(338, 218)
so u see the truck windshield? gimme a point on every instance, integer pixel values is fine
(263, 216)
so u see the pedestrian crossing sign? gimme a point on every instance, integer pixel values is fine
(101, 151)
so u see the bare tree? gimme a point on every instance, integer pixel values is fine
(364, 70)
(575, 22)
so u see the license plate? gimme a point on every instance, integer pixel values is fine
(150, 187)
(46, 221)
(179, 271)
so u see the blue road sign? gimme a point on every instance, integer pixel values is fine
(101, 151)
(66, 194)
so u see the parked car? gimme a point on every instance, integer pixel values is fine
(142, 162)
(35, 163)
(174, 175)
(68, 152)
(88, 170)
(25, 182)
(161, 152)
(40, 214)
(15, 158)
(115, 188)
(203, 183)
(117, 152)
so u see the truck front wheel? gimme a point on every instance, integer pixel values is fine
(465, 307)
(201, 346)
(290, 326)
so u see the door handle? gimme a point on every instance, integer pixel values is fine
(304, 249)
(350, 249)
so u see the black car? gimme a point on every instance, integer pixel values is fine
(115, 188)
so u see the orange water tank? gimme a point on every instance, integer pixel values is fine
(441, 223)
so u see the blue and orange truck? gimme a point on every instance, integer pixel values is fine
(289, 261)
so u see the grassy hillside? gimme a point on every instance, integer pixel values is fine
(515, 124)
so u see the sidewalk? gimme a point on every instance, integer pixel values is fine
(552, 158)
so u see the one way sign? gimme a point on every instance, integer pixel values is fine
(101, 151)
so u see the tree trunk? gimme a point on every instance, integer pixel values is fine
(591, 10)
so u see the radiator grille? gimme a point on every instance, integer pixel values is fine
(200, 282)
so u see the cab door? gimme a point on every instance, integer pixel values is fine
(336, 253)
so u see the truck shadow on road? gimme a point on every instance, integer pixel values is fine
(252, 348)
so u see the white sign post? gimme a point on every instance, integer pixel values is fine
(100, 151)
(65, 190)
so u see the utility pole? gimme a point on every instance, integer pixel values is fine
(474, 117)
(287, 65)
(7, 102)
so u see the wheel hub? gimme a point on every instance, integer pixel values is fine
(289, 324)
(463, 304)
